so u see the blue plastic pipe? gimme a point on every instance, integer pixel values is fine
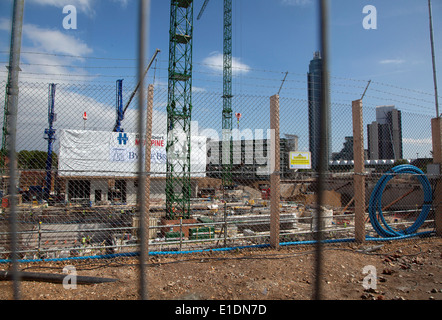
(375, 203)
(155, 253)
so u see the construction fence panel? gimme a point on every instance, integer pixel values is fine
(78, 172)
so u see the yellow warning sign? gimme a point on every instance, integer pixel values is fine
(300, 160)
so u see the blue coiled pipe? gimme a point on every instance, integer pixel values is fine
(375, 207)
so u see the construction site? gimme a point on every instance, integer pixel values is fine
(69, 225)
(159, 168)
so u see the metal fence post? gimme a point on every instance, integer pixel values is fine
(323, 148)
(12, 110)
(359, 178)
(274, 172)
(144, 8)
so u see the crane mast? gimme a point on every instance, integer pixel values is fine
(179, 109)
(119, 107)
(227, 157)
(50, 136)
(227, 115)
(179, 105)
(120, 110)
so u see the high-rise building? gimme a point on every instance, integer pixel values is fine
(314, 81)
(346, 152)
(385, 134)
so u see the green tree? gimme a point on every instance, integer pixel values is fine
(35, 159)
(399, 162)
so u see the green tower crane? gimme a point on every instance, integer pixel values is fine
(227, 115)
(179, 109)
(227, 93)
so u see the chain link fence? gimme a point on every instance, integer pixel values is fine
(78, 187)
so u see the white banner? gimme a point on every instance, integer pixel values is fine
(99, 153)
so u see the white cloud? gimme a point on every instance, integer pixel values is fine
(5, 24)
(164, 85)
(54, 48)
(215, 62)
(54, 41)
(70, 103)
(296, 2)
(425, 141)
(198, 89)
(54, 52)
(123, 3)
(392, 61)
(51, 53)
(41, 67)
(85, 6)
(81, 5)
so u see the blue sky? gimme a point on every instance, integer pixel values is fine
(274, 35)
(270, 37)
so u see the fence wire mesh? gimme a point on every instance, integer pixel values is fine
(83, 196)
(81, 200)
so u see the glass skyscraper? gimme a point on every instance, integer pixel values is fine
(314, 82)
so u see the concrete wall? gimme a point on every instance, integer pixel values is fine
(102, 185)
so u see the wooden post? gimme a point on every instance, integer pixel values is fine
(359, 170)
(145, 220)
(274, 172)
(436, 129)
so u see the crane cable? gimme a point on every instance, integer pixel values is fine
(375, 208)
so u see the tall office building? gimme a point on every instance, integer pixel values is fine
(346, 152)
(385, 134)
(314, 111)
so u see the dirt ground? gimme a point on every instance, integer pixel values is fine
(404, 270)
